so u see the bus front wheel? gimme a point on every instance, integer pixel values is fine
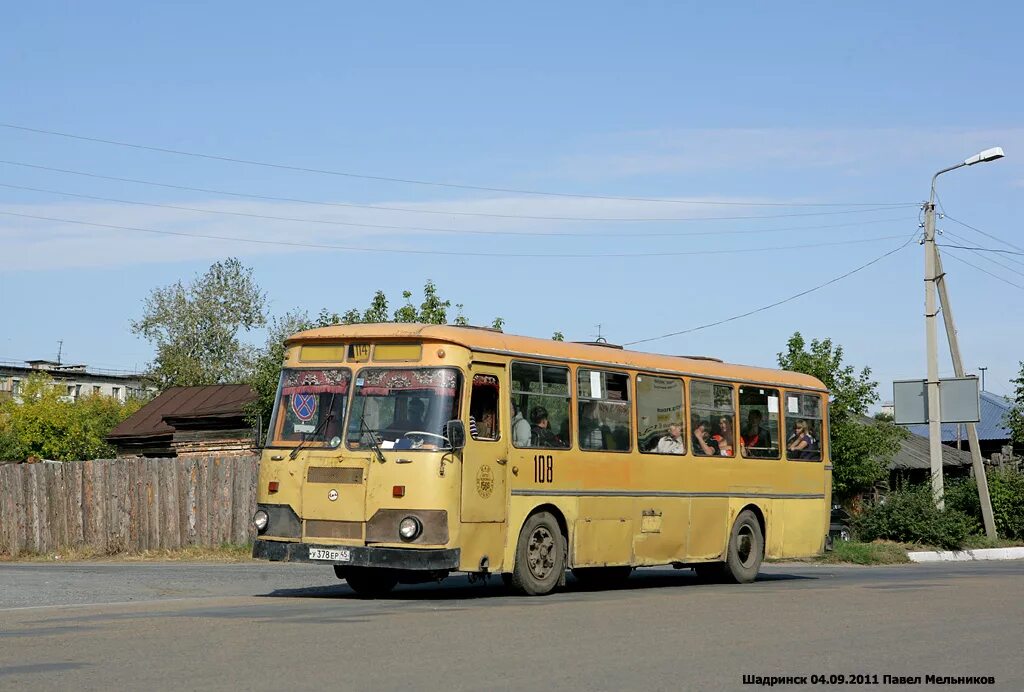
(367, 582)
(746, 549)
(540, 556)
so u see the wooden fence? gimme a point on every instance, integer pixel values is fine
(121, 505)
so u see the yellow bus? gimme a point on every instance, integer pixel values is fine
(399, 453)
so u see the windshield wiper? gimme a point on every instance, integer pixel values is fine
(320, 427)
(365, 430)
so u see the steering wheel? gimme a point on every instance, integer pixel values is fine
(418, 435)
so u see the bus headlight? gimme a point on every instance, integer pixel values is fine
(410, 528)
(260, 520)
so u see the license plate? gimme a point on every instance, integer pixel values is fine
(339, 555)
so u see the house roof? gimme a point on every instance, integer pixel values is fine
(914, 453)
(213, 401)
(992, 425)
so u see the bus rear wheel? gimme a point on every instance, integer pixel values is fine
(601, 577)
(540, 556)
(746, 549)
(367, 582)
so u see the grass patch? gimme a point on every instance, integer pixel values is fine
(878, 553)
(227, 552)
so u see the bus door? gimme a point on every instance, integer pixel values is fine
(485, 458)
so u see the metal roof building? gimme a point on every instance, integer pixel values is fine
(188, 420)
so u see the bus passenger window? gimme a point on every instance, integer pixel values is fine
(759, 412)
(604, 418)
(803, 427)
(713, 410)
(540, 400)
(483, 408)
(659, 415)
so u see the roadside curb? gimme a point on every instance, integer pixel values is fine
(966, 555)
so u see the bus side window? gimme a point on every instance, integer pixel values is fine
(604, 416)
(759, 422)
(660, 428)
(540, 405)
(712, 419)
(483, 408)
(803, 427)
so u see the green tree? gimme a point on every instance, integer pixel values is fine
(47, 425)
(1015, 417)
(195, 327)
(861, 448)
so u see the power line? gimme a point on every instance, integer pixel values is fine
(987, 235)
(442, 212)
(322, 246)
(779, 302)
(993, 260)
(981, 249)
(430, 229)
(410, 181)
(984, 271)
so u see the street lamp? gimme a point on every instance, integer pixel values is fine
(934, 278)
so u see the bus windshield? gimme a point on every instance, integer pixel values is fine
(402, 408)
(310, 406)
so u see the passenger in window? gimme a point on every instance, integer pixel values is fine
(541, 434)
(593, 435)
(723, 436)
(801, 444)
(672, 441)
(485, 428)
(520, 428)
(757, 441)
(703, 445)
(415, 418)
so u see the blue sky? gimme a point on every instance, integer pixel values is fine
(772, 109)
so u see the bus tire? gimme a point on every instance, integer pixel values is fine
(540, 556)
(601, 577)
(746, 549)
(367, 582)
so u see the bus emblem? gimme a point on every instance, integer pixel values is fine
(484, 481)
(332, 495)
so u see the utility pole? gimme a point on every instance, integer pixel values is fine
(972, 429)
(930, 311)
(982, 377)
(935, 279)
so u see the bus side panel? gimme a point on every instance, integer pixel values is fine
(775, 528)
(602, 542)
(710, 522)
(662, 530)
(805, 527)
(478, 541)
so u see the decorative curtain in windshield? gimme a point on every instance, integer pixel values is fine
(442, 381)
(315, 382)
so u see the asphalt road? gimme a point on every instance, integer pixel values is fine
(260, 626)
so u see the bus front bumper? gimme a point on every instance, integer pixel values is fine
(427, 559)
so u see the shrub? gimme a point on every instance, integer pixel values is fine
(1006, 488)
(909, 515)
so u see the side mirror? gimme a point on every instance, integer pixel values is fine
(456, 433)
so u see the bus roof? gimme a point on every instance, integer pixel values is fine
(489, 340)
